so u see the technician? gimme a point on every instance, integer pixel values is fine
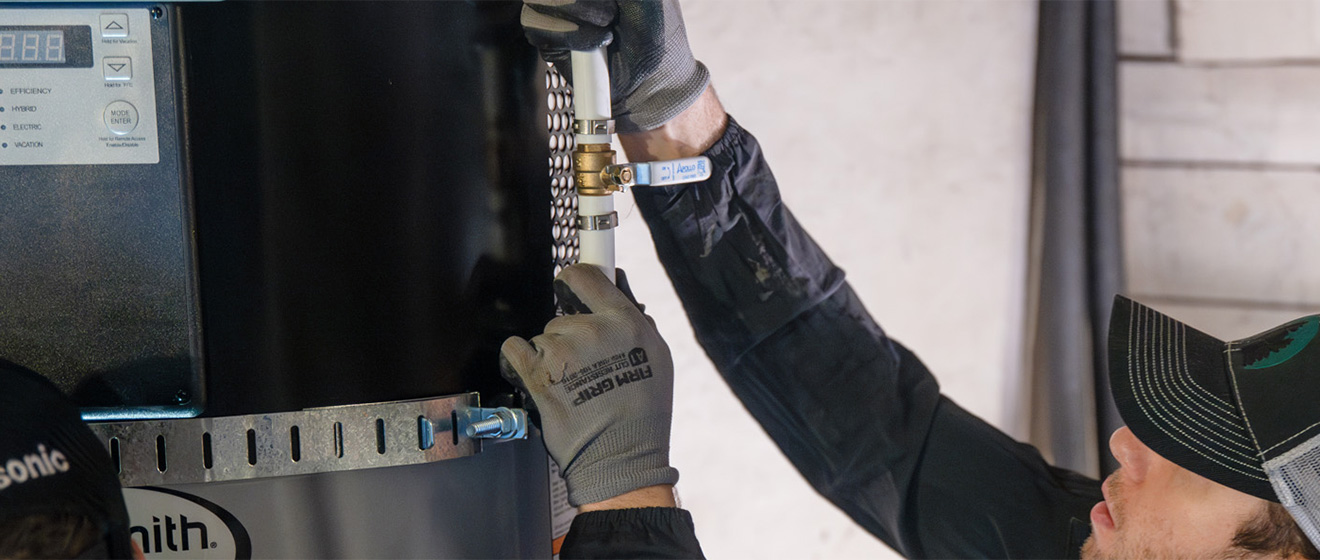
(1219, 433)
(59, 494)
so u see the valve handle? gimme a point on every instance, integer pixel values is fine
(658, 173)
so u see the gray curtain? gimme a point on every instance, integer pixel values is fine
(1075, 263)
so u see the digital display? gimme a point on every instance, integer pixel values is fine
(33, 47)
(45, 46)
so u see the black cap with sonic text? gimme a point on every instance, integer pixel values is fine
(1243, 413)
(51, 463)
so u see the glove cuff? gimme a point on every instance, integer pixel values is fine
(670, 91)
(626, 456)
(600, 482)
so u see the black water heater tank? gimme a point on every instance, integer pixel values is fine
(350, 205)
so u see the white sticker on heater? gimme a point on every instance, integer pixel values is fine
(172, 524)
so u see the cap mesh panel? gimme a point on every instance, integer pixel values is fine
(1295, 476)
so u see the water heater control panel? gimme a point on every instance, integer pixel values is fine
(77, 87)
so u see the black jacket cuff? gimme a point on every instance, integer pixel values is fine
(656, 532)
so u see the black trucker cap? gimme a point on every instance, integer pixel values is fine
(1243, 413)
(52, 463)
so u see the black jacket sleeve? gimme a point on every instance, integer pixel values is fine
(632, 533)
(857, 413)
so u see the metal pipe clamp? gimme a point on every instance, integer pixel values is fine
(598, 223)
(588, 126)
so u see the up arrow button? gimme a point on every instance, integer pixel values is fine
(114, 25)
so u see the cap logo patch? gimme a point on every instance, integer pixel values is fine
(1280, 346)
(45, 462)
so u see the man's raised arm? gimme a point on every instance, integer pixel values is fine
(855, 412)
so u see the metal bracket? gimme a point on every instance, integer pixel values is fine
(599, 222)
(316, 440)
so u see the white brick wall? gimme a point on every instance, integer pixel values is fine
(1143, 28)
(1248, 30)
(1221, 140)
(1242, 235)
(1259, 114)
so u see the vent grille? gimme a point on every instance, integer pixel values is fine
(563, 208)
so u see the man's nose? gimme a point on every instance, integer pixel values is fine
(1132, 455)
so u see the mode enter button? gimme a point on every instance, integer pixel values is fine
(121, 117)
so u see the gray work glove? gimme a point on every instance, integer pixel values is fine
(603, 383)
(653, 76)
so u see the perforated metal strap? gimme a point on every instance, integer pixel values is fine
(317, 440)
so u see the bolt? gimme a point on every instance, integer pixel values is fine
(182, 397)
(497, 425)
(502, 423)
(489, 427)
(626, 175)
(156, 13)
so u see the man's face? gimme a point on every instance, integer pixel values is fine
(1156, 509)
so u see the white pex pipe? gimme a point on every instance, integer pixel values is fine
(596, 247)
(591, 101)
(591, 91)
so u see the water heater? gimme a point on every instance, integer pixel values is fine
(272, 249)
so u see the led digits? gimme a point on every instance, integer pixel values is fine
(32, 47)
(55, 47)
(7, 43)
(30, 51)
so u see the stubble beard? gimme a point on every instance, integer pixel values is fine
(1120, 548)
(1125, 547)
